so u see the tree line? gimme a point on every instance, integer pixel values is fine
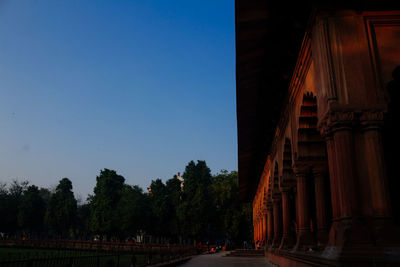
(207, 209)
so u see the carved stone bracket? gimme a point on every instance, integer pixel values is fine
(338, 119)
(320, 169)
(372, 120)
(302, 168)
(269, 205)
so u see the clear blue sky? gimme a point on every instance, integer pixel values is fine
(141, 87)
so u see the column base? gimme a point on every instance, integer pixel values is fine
(269, 243)
(322, 238)
(347, 231)
(287, 242)
(276, 242)
(386, 234)
(353, 238)
(305, 241)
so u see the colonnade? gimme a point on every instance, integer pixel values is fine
(329, 199)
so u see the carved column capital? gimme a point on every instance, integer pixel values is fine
(336, 120)
(269, 205)
(301, 168)
(285, 189)
(277, 199)
(372, 119)
(320, 169)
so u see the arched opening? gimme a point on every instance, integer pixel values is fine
(312, 154)
(277, 208)
(287, 185)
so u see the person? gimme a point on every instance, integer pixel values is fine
(199, 247)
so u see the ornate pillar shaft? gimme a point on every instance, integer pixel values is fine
(270, 225)
(333, 177)
(353, 185)
(264, 234)
(286, 213)
(266, 227)
(303, 202)
(304, 235)
(346, 184)
(376, 166)
(383, 227)
(321, 205)
(277, 222)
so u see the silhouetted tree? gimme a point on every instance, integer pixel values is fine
(134, 211)
(104, 202)
(61, 209)
(11, 200)
(31, 210)
(233, 217)
(196, 207)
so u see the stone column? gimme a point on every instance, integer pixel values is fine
(384, 230)
(304, 236)
(321, 207)
(287, 239)
(330, 147)
(270, 224)
(255, 229)
(374, 162)
(277, 210)
(346, 184)
(349, 234)
(265, 228)
(260, 223)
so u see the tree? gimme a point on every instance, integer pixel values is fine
(159, 207)
(195, 210)
(82, 220)
(31, 210)
(107, 194)
(173, 199)
(11, 199)
(134, 211)
(3, 206)
(233, 217)
(62, 208)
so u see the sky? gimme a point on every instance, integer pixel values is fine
(141, 87)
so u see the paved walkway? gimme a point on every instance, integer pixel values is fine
(219, 260)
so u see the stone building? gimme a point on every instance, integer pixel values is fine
(317, 93)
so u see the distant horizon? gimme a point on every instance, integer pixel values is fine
(139, 87)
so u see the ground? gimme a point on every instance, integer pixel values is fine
(220, 260)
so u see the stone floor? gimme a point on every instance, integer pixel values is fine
(219, 260)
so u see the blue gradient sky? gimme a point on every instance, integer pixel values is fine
(141, 87)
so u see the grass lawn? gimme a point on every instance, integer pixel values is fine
(53, 257)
